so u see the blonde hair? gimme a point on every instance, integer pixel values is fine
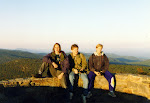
(58, 45)
(74, 46)
(99, 45)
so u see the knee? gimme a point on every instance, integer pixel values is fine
(71, 77)
(85, 80)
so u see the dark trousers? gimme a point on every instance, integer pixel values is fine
(107, 75)
(54, 72)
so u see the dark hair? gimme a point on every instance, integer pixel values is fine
(58, 45)
(74, 46)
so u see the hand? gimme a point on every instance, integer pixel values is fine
(81, 69)
(101, 72)
(75, 71)
(60, 76)
(97, 73)
(55, 65)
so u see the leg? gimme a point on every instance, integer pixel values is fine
(53, 71)
(63, 81)
(110, 80)
(43, 67)
(71, 78)
(85, 83)
(91, 77)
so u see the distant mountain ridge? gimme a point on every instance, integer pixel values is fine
(117, 59)
(9, 55)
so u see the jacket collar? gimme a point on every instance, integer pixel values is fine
(53, 53)
(76, 55)
(102, 53)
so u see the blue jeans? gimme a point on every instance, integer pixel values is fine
(85, 82)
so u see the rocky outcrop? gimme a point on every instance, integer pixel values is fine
(126, 83)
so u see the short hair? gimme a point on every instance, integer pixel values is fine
(58, 45)
(74, 46)
(99, 45)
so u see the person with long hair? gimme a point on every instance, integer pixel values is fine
(57, 63)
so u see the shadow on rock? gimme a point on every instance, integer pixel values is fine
(56, 95)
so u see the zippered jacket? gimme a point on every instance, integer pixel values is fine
(63, 64)
(98, 63)
(78, 62)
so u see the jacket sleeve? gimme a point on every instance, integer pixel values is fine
(65, 66)
(48, 58)
(106, 64)
(71, 62)
(84, 64)
(91, 64)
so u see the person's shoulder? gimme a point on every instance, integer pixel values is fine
(48, 54)
(62, 52)
(81, 54)
(52, 53)
(104, 55)
(69, 55)
(92, 55)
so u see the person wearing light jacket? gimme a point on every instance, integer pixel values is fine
(78, 66)
(98, 65)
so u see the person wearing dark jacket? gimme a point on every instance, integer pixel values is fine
(98, 65)
(58, 64)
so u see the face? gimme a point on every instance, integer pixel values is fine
(99, 49)
(56, 48)
(75, 51)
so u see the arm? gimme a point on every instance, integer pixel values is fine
(106, 64)
(66, 64)
(91, 64)
(71, 62)
(84, 64)
(48, 58)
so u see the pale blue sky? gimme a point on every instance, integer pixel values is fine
(122, 26)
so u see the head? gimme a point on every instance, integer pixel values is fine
(74, 49)
(56, 47)
(99, 48)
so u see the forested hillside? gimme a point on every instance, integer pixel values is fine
(144, 63)
(16, 64)
(9, 55)
(19, 68)
(22, 68)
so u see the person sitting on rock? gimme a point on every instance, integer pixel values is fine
(57, 63)
(78, 66)
(98, 65)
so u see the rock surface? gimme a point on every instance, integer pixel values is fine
(129, 88)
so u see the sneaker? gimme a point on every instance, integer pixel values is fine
(70, 95)
(112, 94)
(89, 95)
(84, 98)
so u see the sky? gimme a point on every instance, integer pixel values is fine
(122, 26)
